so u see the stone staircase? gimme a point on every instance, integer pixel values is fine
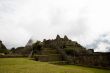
(48, 55)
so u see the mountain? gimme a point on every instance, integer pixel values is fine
(3, 49)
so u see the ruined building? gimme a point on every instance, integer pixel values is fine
(64, 49)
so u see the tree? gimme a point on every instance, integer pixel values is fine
(37, 47)
(12, 50)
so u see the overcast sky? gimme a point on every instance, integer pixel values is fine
(81, 20)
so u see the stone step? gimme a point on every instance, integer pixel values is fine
(59, 62)
(48, 49)
(47, 52)
(51, 57)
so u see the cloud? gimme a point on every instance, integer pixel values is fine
(80, 20)
(22, 19)
(14, 36)
(101, 44)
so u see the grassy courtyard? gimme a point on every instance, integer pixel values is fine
(25, 65)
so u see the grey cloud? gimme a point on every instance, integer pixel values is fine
(79, 29)
(39, 19)
(38, 23)
(7, 7)
(55, 16)
(71, 27)
(101, 39)
(108, 48)
(81, 24)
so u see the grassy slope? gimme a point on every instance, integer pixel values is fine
(24, 65)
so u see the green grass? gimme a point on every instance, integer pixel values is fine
(24, 65)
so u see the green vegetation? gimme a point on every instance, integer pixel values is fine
(25, 65)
